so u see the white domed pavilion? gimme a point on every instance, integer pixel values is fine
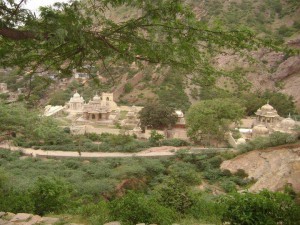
(76, 103)
(267, 115)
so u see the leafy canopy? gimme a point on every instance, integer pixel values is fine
(157, 116)
(211, 118)
(79, 33)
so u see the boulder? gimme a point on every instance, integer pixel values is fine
(49, 220)
(21, 217)
(113, 223)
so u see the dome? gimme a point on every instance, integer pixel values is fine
(96, 98)
(76, 98)
(288, 123)
(267, 111)
(76, 95)
(260, 130)
(267, 107)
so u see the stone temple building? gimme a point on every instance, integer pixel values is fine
(98, 108)
(268, 121)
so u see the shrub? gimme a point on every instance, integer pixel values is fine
(275, 139)
(97, 213)
(241, 173)
(228, 186)
(174, 194)
(263, 208)
(50, 195)
(15, 202)
(212, 175)
(174, 142)
(136, 208)
(206, 210)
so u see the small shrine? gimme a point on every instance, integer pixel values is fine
(267, 115)
(76, 103)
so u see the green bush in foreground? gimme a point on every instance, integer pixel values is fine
(50, 195)
(136, 208)
(263, 208)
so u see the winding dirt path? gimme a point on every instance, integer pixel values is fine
(151, 152)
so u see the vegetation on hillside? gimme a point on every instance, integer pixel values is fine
(165, 190)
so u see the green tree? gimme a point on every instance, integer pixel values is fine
(284, 104)
(26, 126)
(72, 35)
(211, 118)
(157, 116)
(15, 120)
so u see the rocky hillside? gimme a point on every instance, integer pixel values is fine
(275, 71)
(271, 168)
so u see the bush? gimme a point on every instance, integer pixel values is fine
(15, 202)
(274, 139)
(128, 88)
(263, 208)
(50, 195)
(212, 175)
(174, 142)
(174, 194)
(206, 210)
(228, 186)
(136, 208)
(96, 213)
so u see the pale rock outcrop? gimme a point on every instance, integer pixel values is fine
(272, 168)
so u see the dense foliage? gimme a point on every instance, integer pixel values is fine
(26, 126)
(157, 116)
(211, 118)
(274, 139)
(283, 103)
(85, 34)
(262, 208)
(136, 190)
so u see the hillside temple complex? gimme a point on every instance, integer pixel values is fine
(97, 109)
(265, 123)
(268, 121)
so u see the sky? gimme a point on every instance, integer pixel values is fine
(35, 4)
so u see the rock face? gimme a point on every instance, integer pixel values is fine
(272, 168)
(7, 218)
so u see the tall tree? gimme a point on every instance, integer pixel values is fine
(157, 116)
(210, 119)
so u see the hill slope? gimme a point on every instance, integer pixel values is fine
(272, 168)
